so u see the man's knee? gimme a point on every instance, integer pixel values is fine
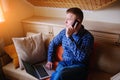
(64, 75)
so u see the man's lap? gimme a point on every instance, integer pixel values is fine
(66, 71)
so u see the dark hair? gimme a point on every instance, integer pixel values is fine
(77, 11)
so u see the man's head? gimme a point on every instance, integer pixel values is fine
(73, 14)
(77, 12)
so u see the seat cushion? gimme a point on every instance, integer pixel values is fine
(16, 74)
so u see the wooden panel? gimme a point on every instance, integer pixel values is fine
(83, 4)
(37, 28)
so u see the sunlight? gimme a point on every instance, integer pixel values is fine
(1, 15)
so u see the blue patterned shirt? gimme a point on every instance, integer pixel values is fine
(76, 48)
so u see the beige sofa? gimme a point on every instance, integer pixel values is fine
(105, 63)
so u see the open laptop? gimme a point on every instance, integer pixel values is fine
(37, 70)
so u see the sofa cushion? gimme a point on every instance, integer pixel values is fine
(108, 58)
(30, 49)
(16, 74)
(10, 50)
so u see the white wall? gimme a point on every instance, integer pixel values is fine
(14, 12)
(50, 12)
(108, 14)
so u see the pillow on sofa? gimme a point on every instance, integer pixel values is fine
(30, 49)
(10, 50)
(46, 38)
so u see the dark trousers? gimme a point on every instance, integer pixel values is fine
(67, 70)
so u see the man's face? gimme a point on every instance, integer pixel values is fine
(70, 18)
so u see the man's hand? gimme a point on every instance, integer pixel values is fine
(69, 31)
(49, 65)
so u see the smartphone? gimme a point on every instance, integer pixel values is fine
(75, 24)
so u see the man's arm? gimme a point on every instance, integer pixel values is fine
(51, 50)
(53, 44)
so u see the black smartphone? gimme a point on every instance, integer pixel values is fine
(75, 24)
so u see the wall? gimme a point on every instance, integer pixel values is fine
(14, 12)
(108, 14)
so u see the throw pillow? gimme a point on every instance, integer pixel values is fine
(30, 49)
(46, 38)
(10, 50)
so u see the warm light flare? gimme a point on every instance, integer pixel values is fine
(1, 15)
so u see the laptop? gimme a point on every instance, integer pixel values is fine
(38, 70)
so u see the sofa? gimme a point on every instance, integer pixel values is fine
(104, 62)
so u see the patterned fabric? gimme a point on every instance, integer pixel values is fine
(76, 48)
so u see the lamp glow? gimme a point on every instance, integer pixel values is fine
(1, 15)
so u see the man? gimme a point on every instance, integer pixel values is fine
(77, 43)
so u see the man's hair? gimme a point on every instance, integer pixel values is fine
(77, 11)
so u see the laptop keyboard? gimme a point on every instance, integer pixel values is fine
(41, 70)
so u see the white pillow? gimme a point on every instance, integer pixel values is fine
(30, 49)
(30, 34)
(46, 38)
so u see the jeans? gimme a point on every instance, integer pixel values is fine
(67, 70)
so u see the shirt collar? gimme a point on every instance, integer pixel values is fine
(81, 31)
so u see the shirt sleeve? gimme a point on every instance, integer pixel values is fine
(53, 44)
(82, 48)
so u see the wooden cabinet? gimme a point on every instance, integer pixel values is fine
(31, 27)
(48, 26)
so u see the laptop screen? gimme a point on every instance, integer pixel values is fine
(29, 69)
(36, 70)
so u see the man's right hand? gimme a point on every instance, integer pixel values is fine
(69, 31)
(49, 65)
